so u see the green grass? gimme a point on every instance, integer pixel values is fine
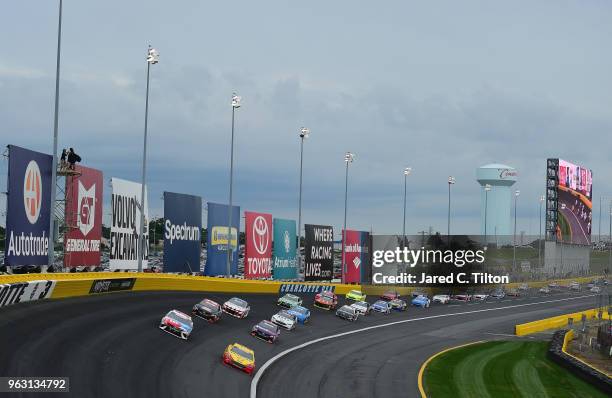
(502, 369)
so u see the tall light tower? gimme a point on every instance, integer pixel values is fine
(235, 105)
(407, 172)
(487, 188)
(348, 158)
(542, 199)
(304, 133)
(451, 181)
(516, 195)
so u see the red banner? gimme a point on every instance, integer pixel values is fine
(258, 245)
(83, 215)
(352, 250)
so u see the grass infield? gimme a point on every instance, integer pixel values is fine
(500, 369)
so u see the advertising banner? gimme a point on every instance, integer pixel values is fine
(285, 262)
(182, 231)
(303, 288)
(355, 255)
(83, 213)
(217, 241)
(20, 292)
(574, 203)
(111, 285)
(28, 207)
(318, 252)
(125, 225)
(257, 245)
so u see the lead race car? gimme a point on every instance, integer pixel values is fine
(236, 307)
(208, 310)
(177, 323)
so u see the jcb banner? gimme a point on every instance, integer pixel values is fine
(355, 255)
(218, 238)
(83, 215)
(319, 252)
(285, 264)
(182, 228)
(258, 245)
(28, 203)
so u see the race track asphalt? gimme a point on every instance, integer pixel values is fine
(110, 346)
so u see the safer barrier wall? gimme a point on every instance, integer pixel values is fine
(557, 321)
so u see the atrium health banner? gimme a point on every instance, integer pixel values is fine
(182, 231)
(257, 245)
(83, 214)
(319, 252)
(28, 207)
(285, 263)
(217, 241)
(125, 226)
(355, 255)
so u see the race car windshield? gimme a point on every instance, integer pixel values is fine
(356, 292)
(268, 326)
(291, 297)
(300, 310)
(238, 302)
(174, 316)
(361, 304)
(242, 353)
(209, 304)
(287, 315)
(327, 295)
(383, 303)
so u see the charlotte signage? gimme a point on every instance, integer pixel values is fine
(20, 292)
(28, 203)
(217, 241)
(284, 261)
(355, 255)
(257, 245)
(304, 288)
(125, 226)
(83, 217)
(182, 231)
(319, 252)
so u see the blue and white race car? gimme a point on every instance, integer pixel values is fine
(177, 323)
(382, 306)
(301, 313)
(421, 301)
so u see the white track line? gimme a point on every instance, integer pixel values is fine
(281, 354)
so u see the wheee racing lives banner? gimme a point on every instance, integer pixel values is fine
(355, 255)
(182, 231)
(319, 252)
(217, 241)
(284, 261)
(83, 217)
(28, 203)
(258, 245)
(125, 225)
(14, 293)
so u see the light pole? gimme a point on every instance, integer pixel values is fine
(487, 188)
(542, 199)
(235, 105)
(348, 158)
(51, 248)
(516, 195)
(610, 241)
(152, 59)
(451, 181)
(563, 206)
(407, 172)
(304, 133)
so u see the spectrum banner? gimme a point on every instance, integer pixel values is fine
(217, 241)
(83, 213)
(27, 210)
(182, 231)
(285, 264)
(355, 255)
(319, 252)
(257, 245)
(125, 226)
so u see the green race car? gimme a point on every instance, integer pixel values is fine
(289, 301)
(356, 295)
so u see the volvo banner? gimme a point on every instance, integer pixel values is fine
(257, 245)
(355, 255)
(28, 204)
(182, 231)
(217, 241)
(83, 214)
(285, 264)
(318, 252)
(125, 225)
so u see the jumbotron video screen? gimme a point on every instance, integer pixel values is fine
(575, 195)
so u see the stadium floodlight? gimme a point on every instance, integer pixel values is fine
(349, 157)
(407, 172)
(152, 56)
(236, 102)
(304, 133)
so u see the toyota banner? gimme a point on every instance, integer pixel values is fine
(284, 264)
(218, 237)
(182, 231)
(355, 255)
(319, 252)
(257, 245)
(28, 203)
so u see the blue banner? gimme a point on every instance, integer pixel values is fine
(217, 241)
(28, 203)
(284, 261)
(182, 231)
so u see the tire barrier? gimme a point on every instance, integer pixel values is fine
(557, 322)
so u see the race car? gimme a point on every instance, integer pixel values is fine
(390, 295)
(553, 284)
(574, 286)
(398, 305)
(498, 294)
(362, 307)
(208, 310)
(416, 293)
(236, 307)
(326, 300)
(421, 301)
(545, 289)
(240, 357)
(289, 300)
(595, 289)
(266, 331)
(462, 297)
(480, 296)
(347, 312)
(302, 314)
(523, 286)
(381, 306)
(513, 293)
(441, 298)
(285, 320)
(177, 323)
(356, 295)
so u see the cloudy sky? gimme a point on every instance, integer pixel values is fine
(443, 87)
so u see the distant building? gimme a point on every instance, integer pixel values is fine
(498, 200)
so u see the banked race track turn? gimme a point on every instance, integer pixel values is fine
(110, 345)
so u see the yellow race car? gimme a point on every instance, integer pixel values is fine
(240, 357)
(356, 295)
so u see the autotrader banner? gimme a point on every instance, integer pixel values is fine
(217, 241)
(28, 203)
(319, 252)
(182, 229)
(257, 245)
(355, 255)
(125, 225)
(83, 215)
(285, 264)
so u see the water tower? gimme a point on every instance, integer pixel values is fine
(498, 199)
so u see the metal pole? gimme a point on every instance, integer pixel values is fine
(404, 227)
(610, 241)
(514, 245)
(141, 239)
(485, 216)
(51, 247)
(599, 240)
(229, 221)
(344, 230)
(449, 208)
(540, 238)
(299, 231)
